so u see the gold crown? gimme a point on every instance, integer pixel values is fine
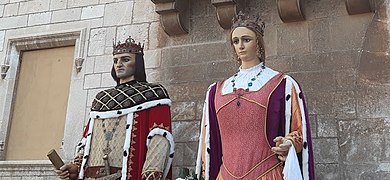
(129, 46)
(245, 21)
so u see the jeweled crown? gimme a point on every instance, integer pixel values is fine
(129, 46)
(255, 23)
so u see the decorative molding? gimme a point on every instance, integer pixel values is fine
(25, 42)
(2, 154)
(174, 15)
(78, 64)
(226, 10)
(79, 48)
(27, 169)
(4, 70)
(1, 145)
(358, 6)
(75, 38)
(290, 10)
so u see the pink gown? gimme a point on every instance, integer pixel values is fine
(242, 122)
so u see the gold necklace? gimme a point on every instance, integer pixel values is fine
(108, 136)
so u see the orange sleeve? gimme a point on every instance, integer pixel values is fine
(295, 134)
(203, 159)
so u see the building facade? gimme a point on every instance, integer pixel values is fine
(55, 56)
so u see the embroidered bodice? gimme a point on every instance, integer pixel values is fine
(242, 122)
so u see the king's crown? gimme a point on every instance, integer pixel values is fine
(129, 46)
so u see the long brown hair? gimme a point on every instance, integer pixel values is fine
(139, 74)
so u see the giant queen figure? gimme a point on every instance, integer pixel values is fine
(255, 123)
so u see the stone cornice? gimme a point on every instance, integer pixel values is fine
(174, 15)
(226, 10)
(290, 10)
(358, 6)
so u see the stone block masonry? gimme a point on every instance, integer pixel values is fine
(341, 61)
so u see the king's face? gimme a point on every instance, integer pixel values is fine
(124, 65)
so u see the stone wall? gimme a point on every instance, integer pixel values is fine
(341, 61)
(98, 23)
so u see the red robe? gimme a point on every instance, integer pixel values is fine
(145, 118)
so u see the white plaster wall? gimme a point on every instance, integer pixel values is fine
(104, 20)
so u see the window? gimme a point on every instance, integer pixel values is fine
(40, 104)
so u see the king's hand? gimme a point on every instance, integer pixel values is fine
(68, 171)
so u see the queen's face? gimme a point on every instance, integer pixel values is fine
(245, 44)
(124, 65)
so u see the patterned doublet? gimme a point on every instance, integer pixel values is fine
(128, 95)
